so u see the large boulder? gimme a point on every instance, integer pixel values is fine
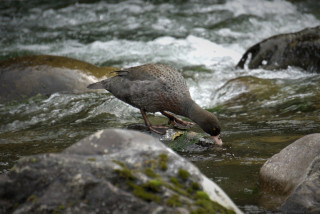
(299, 49)
(291, 178)
(27, 76)
(111, 171)
(306, 197)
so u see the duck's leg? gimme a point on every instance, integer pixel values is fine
(157, 129)
(176, 122)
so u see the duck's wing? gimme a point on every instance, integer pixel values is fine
(96, 85)
(139, 73)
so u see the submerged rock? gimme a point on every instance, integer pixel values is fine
(300, 49)
(111, 171)
(27, 76)
(290, 179)
(181, 140)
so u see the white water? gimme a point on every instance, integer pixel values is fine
(184, 42)
(217, 50)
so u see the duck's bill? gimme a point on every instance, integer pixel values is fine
(218, 140)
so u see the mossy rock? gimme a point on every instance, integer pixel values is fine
(28, 76)
(254, 90)
(117, 170)
(179, 191)
(189, 141)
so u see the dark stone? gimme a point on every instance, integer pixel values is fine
(111, 171)
(306, 197)
(300, 49)
(27, 76)
(290, 179)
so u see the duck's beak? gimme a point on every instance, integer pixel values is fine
(218, 140)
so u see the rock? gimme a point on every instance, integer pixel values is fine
(290, 179)
(300, 49)
(181, 140)
(111, 171)
(187, 141)
(27, 76)
(248, 90)
(306, 197)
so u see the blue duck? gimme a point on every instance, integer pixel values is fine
(159, 88)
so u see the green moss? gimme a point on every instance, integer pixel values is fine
(153, 185)
(177, 186)
(200, 211)
(150, 172)
(193, 187)
(123, 165)
(33, 160)
(210, 207)
(174, 201)
(207, 206)
(125, 172)
(201, 195)
(163, 160)
(182, 142)
(183, 174)
(181, 185)
(91, 159)
(175, 181)
(59, 210)
(144, 191)
(62, 207)
(141, 192)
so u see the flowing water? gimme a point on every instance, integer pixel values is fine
(261, 111)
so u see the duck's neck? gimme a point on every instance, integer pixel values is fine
(196, 113)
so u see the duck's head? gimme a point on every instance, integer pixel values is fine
(205, 119)
(212, 127)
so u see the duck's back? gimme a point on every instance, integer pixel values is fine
(152, 87)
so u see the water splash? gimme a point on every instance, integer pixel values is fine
(59, 108)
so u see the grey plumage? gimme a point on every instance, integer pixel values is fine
(157, 87)
(151, 87)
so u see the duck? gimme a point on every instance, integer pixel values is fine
(160, 88)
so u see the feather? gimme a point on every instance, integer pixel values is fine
(97, 85)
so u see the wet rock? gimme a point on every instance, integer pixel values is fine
(248, 90)
(181, 140)
(187, 141)
(27, 76)
(306, 197)
(111, 171)
(300, 49)
(290, 179)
